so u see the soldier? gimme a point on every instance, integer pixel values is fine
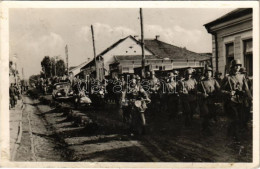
(249, 81)
(188, 90)
(153, 88)
(218, 77)
(208, 89)
(172, 95)
(12, 94)
(235, 86)
(135, 92)
(247, 102)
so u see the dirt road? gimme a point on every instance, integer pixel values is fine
(57, 138)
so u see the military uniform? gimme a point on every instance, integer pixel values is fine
(188, 91)
(208, 90)
(136, 92)
(236, 88)
(172, 95)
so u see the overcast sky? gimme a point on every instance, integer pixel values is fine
(35, 33)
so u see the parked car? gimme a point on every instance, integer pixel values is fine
(62, 91)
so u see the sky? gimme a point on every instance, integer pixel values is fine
(35, 33)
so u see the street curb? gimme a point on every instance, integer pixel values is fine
(19, 137)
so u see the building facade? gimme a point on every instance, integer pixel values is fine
(126, 54)
(232, 38)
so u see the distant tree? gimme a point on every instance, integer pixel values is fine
(34, 78)
(60, 67)
(46, 66)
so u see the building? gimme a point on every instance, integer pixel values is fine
(126, 54)
(163, 57)
(232, 39)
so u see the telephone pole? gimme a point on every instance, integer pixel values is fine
(67, 59)
(142, 43)
(94, 49)
(22, 73)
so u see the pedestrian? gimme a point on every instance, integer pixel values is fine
(173, 99)
(235, 87)
(247, 102)
(218, 77)
(12, 94)
(151, 85)
(208, 90)
(187, 89)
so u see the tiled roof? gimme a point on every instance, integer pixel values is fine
(165, 50)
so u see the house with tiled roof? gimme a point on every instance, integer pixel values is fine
(163, 57)
(126, 54)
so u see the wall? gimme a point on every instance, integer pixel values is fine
(123, 49)
(236, 34)
(128, 66)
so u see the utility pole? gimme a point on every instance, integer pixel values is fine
(67, 59)
(22, 73)
(15, 72)
(94, 49)
(142, 43)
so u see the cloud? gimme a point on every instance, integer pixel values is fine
(176, 35)
(105, 35)
(31, 50)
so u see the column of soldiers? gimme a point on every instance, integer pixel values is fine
(201, 93)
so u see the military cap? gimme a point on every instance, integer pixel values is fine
(189, 71)
(235, 62)
(171, 74)
(175, 72)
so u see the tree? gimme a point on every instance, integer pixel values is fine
(46, 66)
(60, 67)
(34, 79)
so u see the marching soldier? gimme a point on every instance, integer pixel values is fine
(208, 89)
(247, 102)
(172, 95)
(188, 92)
(153, 88)
(235, 86)
(218, 77)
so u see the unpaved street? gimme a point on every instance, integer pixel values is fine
(55, 137)
(38, 142)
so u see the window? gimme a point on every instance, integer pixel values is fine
(229, 55)
(248, 56)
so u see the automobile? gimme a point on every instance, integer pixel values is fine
(62, 91)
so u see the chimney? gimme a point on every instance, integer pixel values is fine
(157, 37)
(135, 36)
(88, 59)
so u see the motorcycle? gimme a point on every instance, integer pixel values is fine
(134, 114)
(82, 99)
